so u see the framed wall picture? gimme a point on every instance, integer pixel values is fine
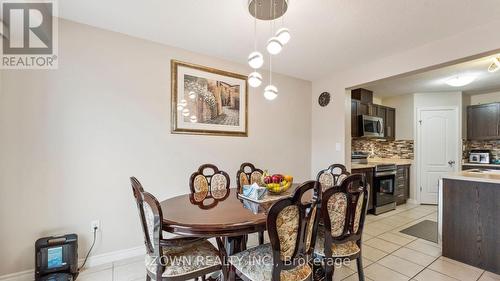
(208, 101)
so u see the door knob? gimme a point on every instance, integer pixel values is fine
(451, 163)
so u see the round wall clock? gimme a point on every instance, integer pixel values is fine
(324, 99)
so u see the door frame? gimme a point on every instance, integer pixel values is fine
(418, 151)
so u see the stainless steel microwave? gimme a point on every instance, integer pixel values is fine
(371, 126)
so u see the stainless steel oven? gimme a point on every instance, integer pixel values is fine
(371, 126)
(384, 186)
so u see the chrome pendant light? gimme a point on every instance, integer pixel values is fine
(268, 10)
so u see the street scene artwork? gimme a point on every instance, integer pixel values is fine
(208, 101)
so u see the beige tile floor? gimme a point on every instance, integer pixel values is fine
(388, 255)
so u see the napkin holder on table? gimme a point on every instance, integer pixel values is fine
(254, 191)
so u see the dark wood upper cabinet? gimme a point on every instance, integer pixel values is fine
(390, 123)
(363, 95)
(483, 121)
(388, 114)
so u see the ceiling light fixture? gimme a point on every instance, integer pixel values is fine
(495, 65)
(268, 10)
(283, 35)
(255, 79)
(459, 81)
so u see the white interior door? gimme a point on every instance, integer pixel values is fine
(438, 139)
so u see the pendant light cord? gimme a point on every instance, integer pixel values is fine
(255, 27)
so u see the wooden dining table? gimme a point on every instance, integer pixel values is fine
(228, 215)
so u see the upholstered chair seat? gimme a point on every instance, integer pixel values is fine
(173, 259)
(256, 264)
(338, 250)
(185, 259)
(343, 209)
(287, 257)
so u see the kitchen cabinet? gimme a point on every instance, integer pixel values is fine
(388, 114)
(483, 121)
(482, 167)
(368, 172)
(390, 123)
(402, 189)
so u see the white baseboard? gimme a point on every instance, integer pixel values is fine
(412, 201)
(93, 261)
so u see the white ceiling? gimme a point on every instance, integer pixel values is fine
(327, 35)
(434, 80)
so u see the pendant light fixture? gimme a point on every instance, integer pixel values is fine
(495, 65)
(268, 10)
(255, 79)
(270, 92)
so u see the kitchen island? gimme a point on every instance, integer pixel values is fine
(470, 218)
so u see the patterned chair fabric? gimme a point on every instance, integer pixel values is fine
(333, 175)
(185, 259)
(245, 263)
(287, 225)
(338, 250)
(345, 206)
(287, 221)
(178, 257)
(207, 183)
(248, 174)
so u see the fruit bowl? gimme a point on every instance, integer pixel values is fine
(277, 188)
(277, 183)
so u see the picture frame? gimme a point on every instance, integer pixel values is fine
(208, 101)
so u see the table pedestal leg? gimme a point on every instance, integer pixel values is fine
(234, 245)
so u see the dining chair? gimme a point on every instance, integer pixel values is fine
(343, 213)
(174, 259)
(208, 180)
(285, 258)
(332, 175)
(248, 174)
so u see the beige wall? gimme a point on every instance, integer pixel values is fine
(485, 98)
(330, 125)
(404, 115)
(72, 137)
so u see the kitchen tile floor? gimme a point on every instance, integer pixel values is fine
(387, 255)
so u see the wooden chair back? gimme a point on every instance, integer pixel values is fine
(248, 174)
(288, 224)
(151, 218)
(209, 181)
(344, 211)
(332, 175)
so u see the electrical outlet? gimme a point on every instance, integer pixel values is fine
(95, 224)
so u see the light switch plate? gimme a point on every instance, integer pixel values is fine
(338, 146)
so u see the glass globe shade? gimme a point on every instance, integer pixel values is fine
(183, 102)
(254, 79)
(180, 107)
(274, 46)
(185, 112)
(192, 95)
(255, 60)
(283, 35)
(193, 119)
(270, 92)
(459, 81)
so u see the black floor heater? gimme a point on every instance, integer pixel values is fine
(56, 258)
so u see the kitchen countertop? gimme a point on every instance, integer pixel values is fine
(372, 162)
(481, 165)
(489, 177)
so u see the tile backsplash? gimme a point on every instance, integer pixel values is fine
(492, 145)
(400, 149)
